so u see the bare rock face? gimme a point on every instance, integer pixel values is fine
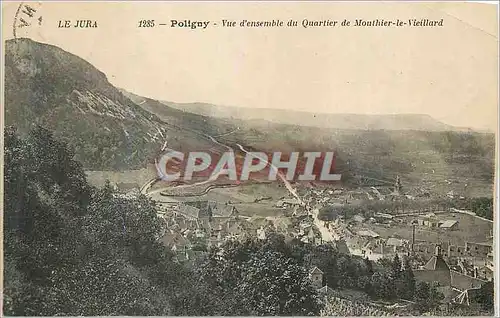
(48, 86)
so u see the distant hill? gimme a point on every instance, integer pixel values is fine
(428, 160)
(338, 121)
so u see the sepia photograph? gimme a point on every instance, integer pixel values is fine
(249, 158)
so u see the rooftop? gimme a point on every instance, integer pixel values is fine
(315, 270)
(464, 282)
(392, 241)
(369, 233)
(437, 263)
(448, 223)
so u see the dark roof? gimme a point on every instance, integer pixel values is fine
(464, 282)
(430, 276)
(437, 263)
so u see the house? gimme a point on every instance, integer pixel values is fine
(458, 285)
(358, 218)
(485, 273)
(368, 233)
(311, 237)
(397, 243)
(479, 249)
(205, 208)
(188, 211)
(428, 220)
(261, 233)
(449, 225)
(341, 246)
(282, 224)
(383, 216)
(436, 270)
(378, 248)
(199, 233)
(316, 277)
(224, 210)
(457, 251)
(175, 241)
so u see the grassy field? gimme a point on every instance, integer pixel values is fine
(242, 197)
(470, 229)
(139, 176)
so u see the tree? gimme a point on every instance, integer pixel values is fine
(396, 267)
(273, 285)
(485, 296)
(408, 278)
(427, 296)
(369, 266)
(422, 294)
(385, 263)
(253, 278)
(70, 249)
(383, 287)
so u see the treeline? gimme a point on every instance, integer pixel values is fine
(482, 206)
(71, 250)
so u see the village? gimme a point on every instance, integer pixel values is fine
(433, 238)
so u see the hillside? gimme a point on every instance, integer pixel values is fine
(426, 159)
(47, 86)
(322, 120)
(437, 162)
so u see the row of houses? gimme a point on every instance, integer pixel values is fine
(478, 250)
(208, 223)
(370, 244)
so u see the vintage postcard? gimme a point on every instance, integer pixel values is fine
(249, 159)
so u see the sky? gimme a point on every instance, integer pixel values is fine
(450, 73)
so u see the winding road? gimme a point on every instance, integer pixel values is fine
(150, 183)
(326, 234)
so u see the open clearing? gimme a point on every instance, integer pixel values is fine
(242, 197)
(469, 229)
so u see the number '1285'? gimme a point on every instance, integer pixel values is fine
(146, 23)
